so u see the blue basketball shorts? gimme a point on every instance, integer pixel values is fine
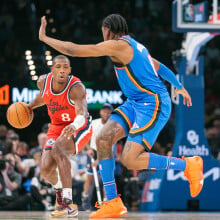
(143, 120)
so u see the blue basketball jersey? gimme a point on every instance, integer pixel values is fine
(139, 79)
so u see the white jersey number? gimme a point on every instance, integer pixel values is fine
(140, 47)
(65, 117)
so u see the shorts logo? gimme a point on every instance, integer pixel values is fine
(50, 142)
(135, 125)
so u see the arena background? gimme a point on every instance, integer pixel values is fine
(80, 21)
(149, 21)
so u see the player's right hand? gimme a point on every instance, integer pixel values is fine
(68, 132)
(42, 30)
(186, 97)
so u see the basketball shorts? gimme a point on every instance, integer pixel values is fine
(143, 120)
(83, 135)
(89, 170)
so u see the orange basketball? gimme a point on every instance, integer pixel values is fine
(19, 115)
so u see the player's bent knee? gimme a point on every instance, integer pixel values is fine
(64, 146)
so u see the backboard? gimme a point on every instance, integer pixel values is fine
(196, 16)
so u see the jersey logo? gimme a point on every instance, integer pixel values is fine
(55, 106)
(50, 142)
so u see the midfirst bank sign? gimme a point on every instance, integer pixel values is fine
(93, 96)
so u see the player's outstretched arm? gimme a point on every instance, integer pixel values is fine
(38, 101)
(106, 48)
(169, 76)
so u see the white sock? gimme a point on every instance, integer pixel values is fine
(58, 185)
(67, 193)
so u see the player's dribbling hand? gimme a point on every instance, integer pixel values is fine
(186, 97)
(42, 30)
(68, 132)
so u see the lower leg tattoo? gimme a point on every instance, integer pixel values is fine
(105, 140)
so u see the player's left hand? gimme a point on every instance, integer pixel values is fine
(42, 30)
(186, 97)
(68, 131)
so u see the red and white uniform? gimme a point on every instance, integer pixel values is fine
(62, 112)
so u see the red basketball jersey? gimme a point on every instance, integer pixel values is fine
(60, 108)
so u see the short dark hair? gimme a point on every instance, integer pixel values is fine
(116, 24)
(60, 57)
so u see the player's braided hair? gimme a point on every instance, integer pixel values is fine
(116, 24)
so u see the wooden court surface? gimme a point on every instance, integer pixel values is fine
(132, 215)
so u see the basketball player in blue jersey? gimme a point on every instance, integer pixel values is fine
(141, 117)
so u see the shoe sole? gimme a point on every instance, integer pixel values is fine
(112, 216)
(74, 214)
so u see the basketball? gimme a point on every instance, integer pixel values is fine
(19, 115)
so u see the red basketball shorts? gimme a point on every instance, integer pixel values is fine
(81, 138)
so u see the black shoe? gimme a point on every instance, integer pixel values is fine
(86, 203)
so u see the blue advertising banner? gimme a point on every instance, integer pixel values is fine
(169, 190)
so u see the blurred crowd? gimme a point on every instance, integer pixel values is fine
(22, 187)
(72, 20)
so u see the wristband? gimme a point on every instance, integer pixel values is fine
(79, 121)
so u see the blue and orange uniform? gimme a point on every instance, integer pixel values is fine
(148, 105)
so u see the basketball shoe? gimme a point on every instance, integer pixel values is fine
(86, 203)
(110, 209)
(194, 174)
(66, 209)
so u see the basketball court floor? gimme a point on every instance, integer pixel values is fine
(131, 215)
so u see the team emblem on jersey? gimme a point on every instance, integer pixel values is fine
(50, 142)
(55, 106)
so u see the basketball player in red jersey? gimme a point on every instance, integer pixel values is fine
(70, 129)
